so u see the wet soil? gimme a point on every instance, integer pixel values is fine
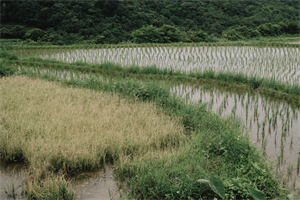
(99, 185)
(11, 180)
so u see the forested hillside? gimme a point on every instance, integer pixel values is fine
(69, 22)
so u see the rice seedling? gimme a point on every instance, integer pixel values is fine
(278, 160)
(10, 190)
(290, 169)
(225, 59)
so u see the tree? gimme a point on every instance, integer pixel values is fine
(169, 34)
(194, 36)
(266, 29)
(292, 28)
(230, 34)
(18, 31)
(200, 36)
(34, 34)
(147, 34)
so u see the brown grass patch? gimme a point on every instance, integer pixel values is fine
(77, 128)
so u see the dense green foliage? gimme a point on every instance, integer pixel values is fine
(94, 22)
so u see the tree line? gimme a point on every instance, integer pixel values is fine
(95, 22)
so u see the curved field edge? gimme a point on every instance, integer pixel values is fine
(282, 91)
(214, 144)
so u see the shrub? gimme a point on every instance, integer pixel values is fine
(34, 34)
(194, 36)
(244, 31)
(99, 39)
(18, 31)
(231, 34)
(293, 28)
(169, 34)
(200, 36)
(267, 29)
(4, 32)
(6, 70)
(147, 34)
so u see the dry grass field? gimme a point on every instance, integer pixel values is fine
(55, 128)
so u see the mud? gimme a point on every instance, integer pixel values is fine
(100, 185)
(11, 180)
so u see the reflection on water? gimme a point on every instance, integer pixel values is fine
(273, 125)
(98, 185)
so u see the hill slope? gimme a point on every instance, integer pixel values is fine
(71, 21)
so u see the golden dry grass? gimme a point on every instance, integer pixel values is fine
(77, 128)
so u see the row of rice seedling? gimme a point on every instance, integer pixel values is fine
(279, 64)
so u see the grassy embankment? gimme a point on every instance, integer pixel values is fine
(210, 144)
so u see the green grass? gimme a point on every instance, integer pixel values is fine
(258, 41)
(213, 144)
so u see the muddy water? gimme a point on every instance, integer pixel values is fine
(11, 179)
(274, 126)
(99, 185)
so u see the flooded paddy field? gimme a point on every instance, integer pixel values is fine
(273, 125)
(280, 64)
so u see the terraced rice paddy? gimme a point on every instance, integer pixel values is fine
(280, 64)
(272, 124)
